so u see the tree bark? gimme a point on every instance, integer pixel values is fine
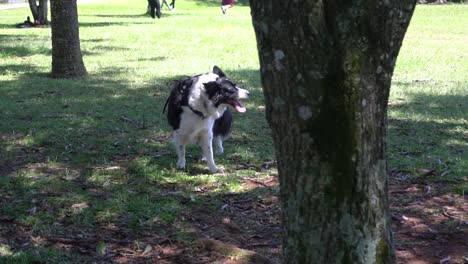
(39, 12)
(67, 61)
(326, 70)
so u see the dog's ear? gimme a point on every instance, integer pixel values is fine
(218, 71)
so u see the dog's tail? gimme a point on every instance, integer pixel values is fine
(169, 84)
(165, 105)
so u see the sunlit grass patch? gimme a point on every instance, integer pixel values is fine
(428, 123)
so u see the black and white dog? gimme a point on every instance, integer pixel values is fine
(197, 112)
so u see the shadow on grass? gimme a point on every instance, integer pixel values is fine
(13, 26)
(429, 132)
(100, 49)
(169, 221)
(22, 46)
(109, 24)
(218, 2)
(121, 15)
(6, 69)
(165, 12)
(433, 106)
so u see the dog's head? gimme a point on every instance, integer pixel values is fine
(225, 91)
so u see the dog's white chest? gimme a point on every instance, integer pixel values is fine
(192, 126)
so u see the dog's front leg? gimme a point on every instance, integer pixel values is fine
(180, 156)
(180, 149)
(206, 143)
(219, 144)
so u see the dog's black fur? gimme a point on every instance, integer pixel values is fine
(223, 125)
(177, 99)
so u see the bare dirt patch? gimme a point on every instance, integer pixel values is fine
(429, 224)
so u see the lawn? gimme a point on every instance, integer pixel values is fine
(87, 169)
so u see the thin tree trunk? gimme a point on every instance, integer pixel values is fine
(43, 9)
(326, 70)
(34, 9)
(67, 61)
(39, 12)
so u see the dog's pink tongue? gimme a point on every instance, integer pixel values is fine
(241, 109)
(238, 106)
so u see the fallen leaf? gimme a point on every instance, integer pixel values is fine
(147, 250)
(80, 206)
(445, 173)
(231, 225)
(426, 172)
(428, 188)
(32, 210)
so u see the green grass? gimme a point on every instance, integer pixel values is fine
(428, 109)
(72, 163)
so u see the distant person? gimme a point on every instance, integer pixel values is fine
(28, 23)
(154, 8)
(226, 4)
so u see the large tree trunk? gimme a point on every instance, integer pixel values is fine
(67, 61)
(39, 12)
(326, 69)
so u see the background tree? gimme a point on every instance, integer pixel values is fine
(39, 11)
(67, 61)
(326, 69)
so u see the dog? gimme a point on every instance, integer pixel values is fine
(197, 111)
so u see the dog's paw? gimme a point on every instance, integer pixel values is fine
(216, 170)
(219, 150)
(180, 165)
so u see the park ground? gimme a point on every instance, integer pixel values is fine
(87, 169)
